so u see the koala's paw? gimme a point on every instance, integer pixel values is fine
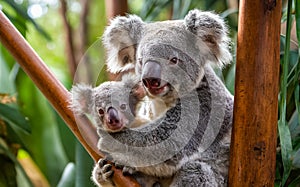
(103, 173)
(126, 170)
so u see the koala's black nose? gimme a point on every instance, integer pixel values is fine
(113, 117)
(151, 74)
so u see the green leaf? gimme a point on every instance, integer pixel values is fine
(294, 125)
(14, 117)
(296, 159)
(228, 12)
(156, 9)
(295, 182)
(286, 149)
(7, 85)
(297, 101)
(18, 21)
(23, 13)
(297, 18)
(283, 129)
(230, 78)
(185, 8)
(67, 137)
(68, 176)
(84, 163)
(44, 144)
(8, 172)
(16, 162)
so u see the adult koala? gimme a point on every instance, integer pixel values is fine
(189, 143)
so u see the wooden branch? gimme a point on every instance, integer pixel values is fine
(253, 147)
(54, 91)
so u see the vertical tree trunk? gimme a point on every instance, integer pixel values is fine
(253, 147)
(116, 7)
(69, 43)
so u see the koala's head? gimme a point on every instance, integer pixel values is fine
(170, 55)
(111, 105)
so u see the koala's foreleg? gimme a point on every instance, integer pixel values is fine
(195, 174)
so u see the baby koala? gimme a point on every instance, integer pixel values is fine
(112, 107)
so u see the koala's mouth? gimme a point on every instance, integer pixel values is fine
(114, 128)
(160, 91)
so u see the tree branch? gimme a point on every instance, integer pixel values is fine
(54, 91)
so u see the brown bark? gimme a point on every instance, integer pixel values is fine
(115, 8)
(83, 27)
(54, 91)
(69, 44)
(253, 147)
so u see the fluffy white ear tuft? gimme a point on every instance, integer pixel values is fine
(82, 99)
(212, 30)
(130, 79)
(120, 39)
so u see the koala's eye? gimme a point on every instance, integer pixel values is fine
(174, 60)
(126, 59)
(101, 112)
(123, 106)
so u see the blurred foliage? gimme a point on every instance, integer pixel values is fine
(31, 130)
(288, 157)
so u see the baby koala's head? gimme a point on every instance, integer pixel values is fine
(112, 105)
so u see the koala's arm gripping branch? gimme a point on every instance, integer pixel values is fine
(53, 90)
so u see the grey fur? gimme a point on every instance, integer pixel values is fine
(210, 162)
(87, 100)
(189, 143)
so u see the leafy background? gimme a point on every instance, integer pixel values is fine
(37, 148)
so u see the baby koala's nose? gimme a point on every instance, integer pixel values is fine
(113, 117)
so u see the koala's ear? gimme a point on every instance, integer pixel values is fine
(120, 39)
(81, 99)
(130, 79)
(212, 30)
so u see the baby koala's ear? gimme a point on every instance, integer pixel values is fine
(82, 99)
(212, 30)
(120, 39)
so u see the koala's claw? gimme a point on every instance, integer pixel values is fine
(102, 162)
(128, 170)
(118, 165)
(103, 171)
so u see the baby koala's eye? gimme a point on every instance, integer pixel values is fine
(101, 112)
(174, 60)
(123, 106)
